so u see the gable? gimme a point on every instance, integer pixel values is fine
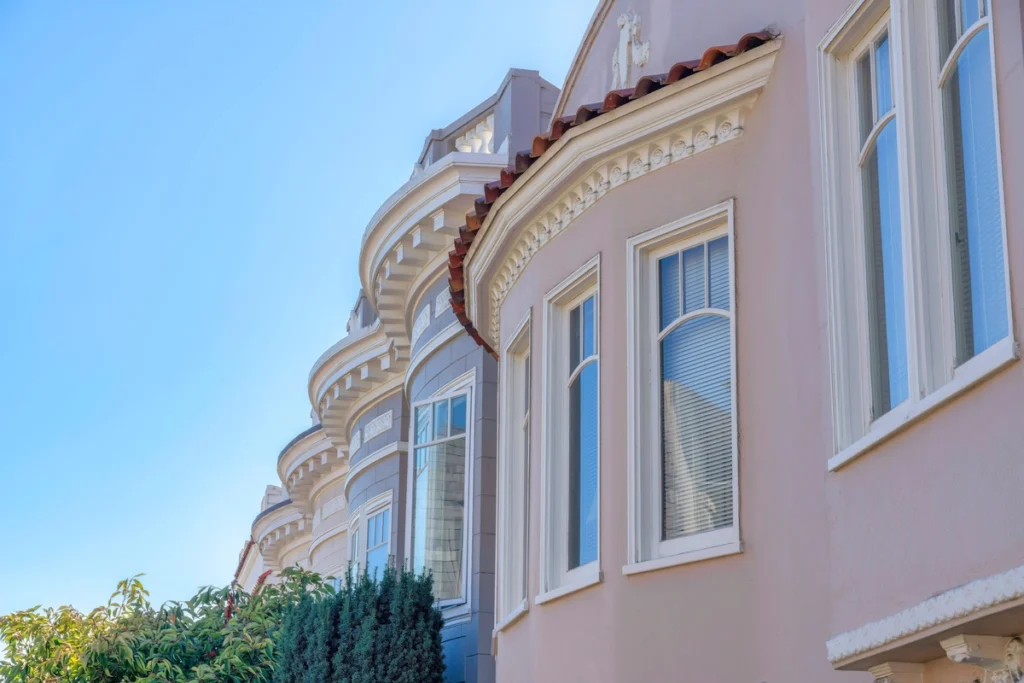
(654, 35)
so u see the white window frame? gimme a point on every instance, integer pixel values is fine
(463, 385)
(646, 551)
(357, 527)
(513, 549)
(555, 578)
(934, 377)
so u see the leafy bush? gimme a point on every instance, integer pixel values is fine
(367, 632)
(220, 634)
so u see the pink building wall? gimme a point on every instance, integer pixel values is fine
(823, 551)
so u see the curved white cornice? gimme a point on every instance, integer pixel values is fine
(674, 123)
(430, 348)
(372, 459)
(277, 529)
(946, 609)
(336, 475)
(414, 203)
(304, 461)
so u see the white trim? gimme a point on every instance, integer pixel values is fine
(378, 425)
(674, 123)
(512, 453)
(584, 283)
(590, 576)
(371, 400)
(644, 549)
(393, 448)
(429, 349)
(515, 615)
(329, 533)
(986, 364)
(949, 608)
(698, 555)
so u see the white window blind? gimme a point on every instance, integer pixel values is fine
(696, 390)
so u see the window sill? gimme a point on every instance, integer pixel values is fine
(516, 614)
(971, 373)
(586, 580)
(699, 555)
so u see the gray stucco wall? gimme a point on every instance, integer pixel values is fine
(388, 474)
(437, 323)
(467, 644)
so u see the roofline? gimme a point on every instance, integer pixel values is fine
(272, 508)
(589, 36)
(441, 133)
(299, 437)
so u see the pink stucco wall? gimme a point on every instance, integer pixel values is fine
(823, 552)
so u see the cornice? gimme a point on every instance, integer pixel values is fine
(940, 611)
(308, 445)
(337, 355)
(421, 196)
(674, 123)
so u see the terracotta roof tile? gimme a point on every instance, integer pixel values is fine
(542, 143)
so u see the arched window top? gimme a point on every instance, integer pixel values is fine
(693, 282)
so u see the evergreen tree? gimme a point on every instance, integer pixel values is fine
(292, 641)
(342, 663)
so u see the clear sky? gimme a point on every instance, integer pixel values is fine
(183, 189)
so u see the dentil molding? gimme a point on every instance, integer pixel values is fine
(954, 604)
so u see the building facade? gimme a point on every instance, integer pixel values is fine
(721, 345)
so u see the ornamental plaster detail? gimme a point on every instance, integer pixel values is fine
(379, 424)
(419, 326)
(953, 604)
(332, 506)
(682, 143)
(355, 442)
(630, 52)
(442, 303)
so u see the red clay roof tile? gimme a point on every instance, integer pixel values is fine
(559, 127)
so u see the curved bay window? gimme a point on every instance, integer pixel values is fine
(439, 494)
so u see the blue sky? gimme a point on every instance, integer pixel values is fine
(183, 188)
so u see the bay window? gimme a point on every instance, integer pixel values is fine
(918, 296)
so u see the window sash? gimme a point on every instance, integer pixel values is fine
(657, 545)
(414, 481)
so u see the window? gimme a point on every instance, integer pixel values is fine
(570, 507)
(682, 404)
(972, 160)
(354, 549)
(370, 536)
(378, 542)
(919, 306)
(439, 494)
(513, 478)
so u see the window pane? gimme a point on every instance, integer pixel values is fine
(969, 13)
(422, 424)
(883, 77)
(438, 515)
(583, 435)
(668, 289)
(588, 328)
(718, 279)
(693, 279)
(866, 111)
(574, 339)
(458, 425)
(976, 219)
(884, 249)
(441, 419)
(696, 423)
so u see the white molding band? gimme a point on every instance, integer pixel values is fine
(372, 459)
(429, 349)
(442, 303)
(679, 121)
(952, 605)
(378, 425)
